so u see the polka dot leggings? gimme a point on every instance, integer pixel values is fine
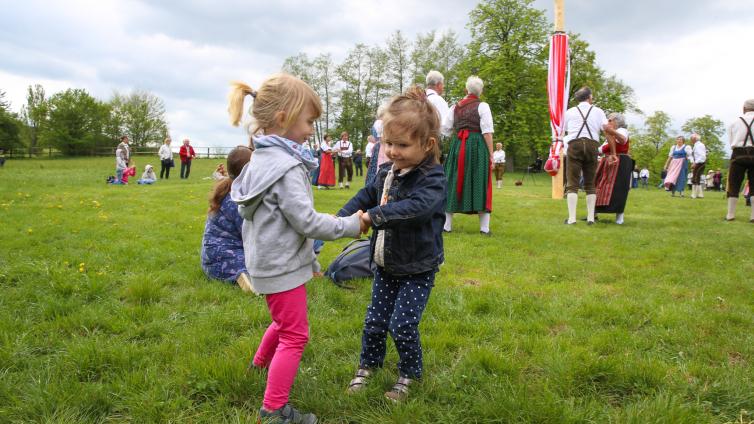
(397, 306)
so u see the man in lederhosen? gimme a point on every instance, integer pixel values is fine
(741, 139)
(345, 163)
(699, 161)
(583, 124)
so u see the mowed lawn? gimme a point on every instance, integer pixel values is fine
(106, 316)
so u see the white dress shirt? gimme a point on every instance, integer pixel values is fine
(573, 122)
(368, 150)
(165, 153)
(498, 156)
(699, 152)
(737, 131)
(345, 149)
(438, 102)
(485, 119)
(644, 173)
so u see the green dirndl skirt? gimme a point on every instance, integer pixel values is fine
(476, 191)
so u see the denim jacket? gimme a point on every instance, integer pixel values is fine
(412, 218)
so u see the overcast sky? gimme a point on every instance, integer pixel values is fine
(688, 58)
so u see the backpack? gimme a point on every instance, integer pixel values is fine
(353, 262)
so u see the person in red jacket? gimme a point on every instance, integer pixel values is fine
(187, 154)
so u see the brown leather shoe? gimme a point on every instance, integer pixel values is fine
(399, 392)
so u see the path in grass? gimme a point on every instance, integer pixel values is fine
(105, 314)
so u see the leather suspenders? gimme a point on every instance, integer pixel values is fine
(749, 135)
(584, 125)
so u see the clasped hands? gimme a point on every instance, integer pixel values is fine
(365, 222)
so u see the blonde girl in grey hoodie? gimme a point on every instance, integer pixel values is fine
(275, 199)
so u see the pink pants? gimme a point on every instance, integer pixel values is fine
(283, 344)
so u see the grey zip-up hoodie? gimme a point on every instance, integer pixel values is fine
(276, 201)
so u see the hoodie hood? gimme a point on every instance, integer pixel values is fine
(294, 149)
(266, 167)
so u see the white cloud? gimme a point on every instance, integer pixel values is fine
(688, 58)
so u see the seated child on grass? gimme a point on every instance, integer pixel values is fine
(128, 172)
(222, 245)
(148, 177)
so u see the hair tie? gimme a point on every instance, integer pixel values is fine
(253, 93)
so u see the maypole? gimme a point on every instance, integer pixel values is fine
(558, 84)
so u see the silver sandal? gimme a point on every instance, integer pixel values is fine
(359, 381)
(399, 392)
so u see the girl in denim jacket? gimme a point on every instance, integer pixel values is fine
(405, 206)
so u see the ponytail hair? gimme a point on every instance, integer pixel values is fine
(279, 93)
(237, 159)
(411, 113)
(238, 93)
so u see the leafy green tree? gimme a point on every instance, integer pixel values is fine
(397, 53)
(10, 126)
(326, 78)
(441, 53)
(423, 56)
(141, 116)
(75, 122)
(507, 50)
(657, 127)
(363, 76)
(34, 114)
(319, 74)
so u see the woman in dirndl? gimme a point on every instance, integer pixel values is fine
(326, 176)
(468, 167)
(677, 166)
(613, 180)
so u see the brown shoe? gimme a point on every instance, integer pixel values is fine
(359, 381)
(399, 392)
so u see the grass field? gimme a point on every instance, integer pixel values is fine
(106, 316)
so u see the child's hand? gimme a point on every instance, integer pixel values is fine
(366, 223)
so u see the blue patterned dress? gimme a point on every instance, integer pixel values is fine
(222, 247)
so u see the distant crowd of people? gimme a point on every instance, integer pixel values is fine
(125, 166)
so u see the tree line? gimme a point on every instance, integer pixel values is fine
(508, 49)
(75, 123)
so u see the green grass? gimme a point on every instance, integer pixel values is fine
(650, 322)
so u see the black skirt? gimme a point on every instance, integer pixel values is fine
(620, 188)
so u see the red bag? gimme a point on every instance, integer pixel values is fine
(553, 161)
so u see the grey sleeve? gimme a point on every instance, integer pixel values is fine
(293, 199)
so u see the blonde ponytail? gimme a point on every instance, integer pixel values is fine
(238, 93)
(279, 93)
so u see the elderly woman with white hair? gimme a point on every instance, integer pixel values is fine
(613, 180)
(468, 167)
